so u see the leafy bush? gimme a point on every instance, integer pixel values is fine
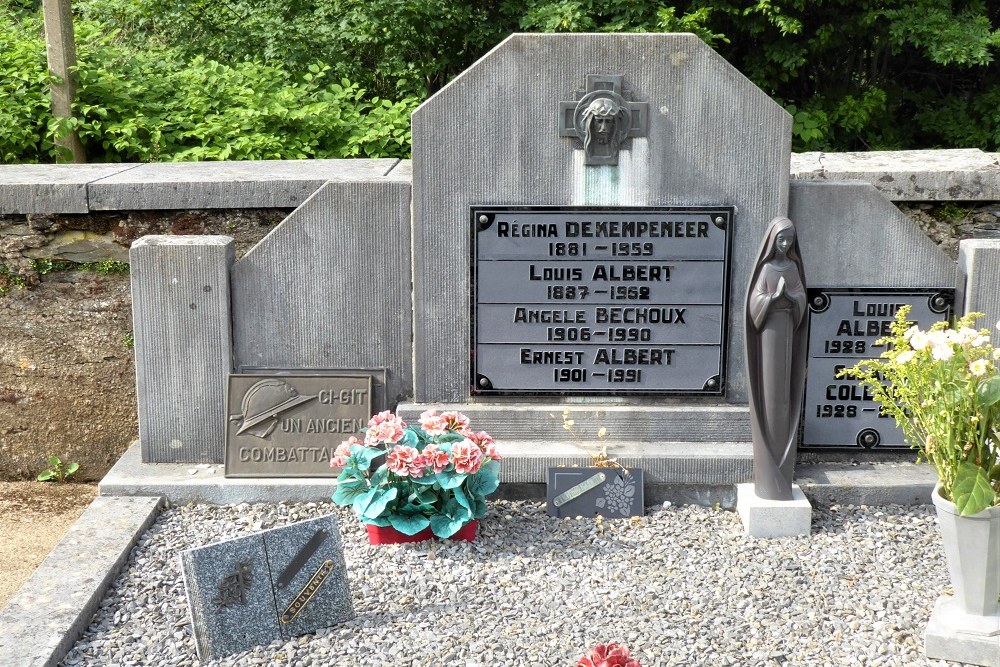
(155, 105)
(24, 104)
(197, 79)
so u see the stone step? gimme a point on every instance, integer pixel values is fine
(697, 463)
(666, 420)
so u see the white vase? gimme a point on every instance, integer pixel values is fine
(972, 549)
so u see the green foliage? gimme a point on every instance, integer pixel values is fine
(107, 267)
(949, 212)
(156, 104)
(57, 470)
(203, 80)
(128, 340)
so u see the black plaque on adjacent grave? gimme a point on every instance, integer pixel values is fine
(843, 327)
(609, 492)
(285, 425)
(600, 300)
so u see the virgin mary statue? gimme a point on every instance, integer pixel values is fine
(776, 358)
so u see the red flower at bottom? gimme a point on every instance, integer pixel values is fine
(608, 655)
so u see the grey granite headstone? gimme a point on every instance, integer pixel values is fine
(979, 280)
(330, 286)
(253, 590)
(852, 236)
(183, 349)
(491, 137)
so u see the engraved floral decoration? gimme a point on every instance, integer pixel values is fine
(943, 388)
(434, 475)
(608, 655)
(233, 586)
(618, 495)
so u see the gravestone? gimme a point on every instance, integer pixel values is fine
(688, 135)
(280, 583)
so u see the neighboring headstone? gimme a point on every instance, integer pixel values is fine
(183, 350)
(281, 583)
(290, 425)
(844, 325)
(852, 236)
(330, 286)
(979, 278)
(605, 491)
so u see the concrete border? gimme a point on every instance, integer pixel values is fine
(52, 609)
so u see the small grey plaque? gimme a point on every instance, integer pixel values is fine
(290, 425)
(600, 301)
(609, 492)
(843, 327)
(241, 592)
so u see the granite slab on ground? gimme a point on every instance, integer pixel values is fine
(273, 585)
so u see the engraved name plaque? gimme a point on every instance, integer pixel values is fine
(571, 300)
(843, 327)
(287, 425)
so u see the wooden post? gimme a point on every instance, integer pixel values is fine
(60, 48)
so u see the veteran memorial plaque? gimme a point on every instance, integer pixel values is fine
(599, 301)
(844, 325)
(287, 425)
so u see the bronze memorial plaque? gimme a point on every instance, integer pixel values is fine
(600, 300)
(844, 325)
(288, 425)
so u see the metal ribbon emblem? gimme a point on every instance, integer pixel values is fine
(306, 593)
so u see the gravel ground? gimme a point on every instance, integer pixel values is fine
(679, 586)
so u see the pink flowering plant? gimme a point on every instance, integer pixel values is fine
(942, 387)
(435, 475)
(608, 655)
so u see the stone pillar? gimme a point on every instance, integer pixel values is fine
(979, 280)
(183, 345)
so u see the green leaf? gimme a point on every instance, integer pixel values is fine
(408, 524)
(444, 526)
(55, 462)
(450, 479)
(365, 455)
(972, 492)
(461, 498)
(478, 508)
(46, 475)
(485, 481)
(989, 392)
(376, 505)
(409, 438)
(380, 521)
(72, 468)
(347, 492)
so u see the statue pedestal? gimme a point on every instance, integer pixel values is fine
(954, 635)
(773, 518)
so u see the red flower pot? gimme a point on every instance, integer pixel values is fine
(389, 535)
